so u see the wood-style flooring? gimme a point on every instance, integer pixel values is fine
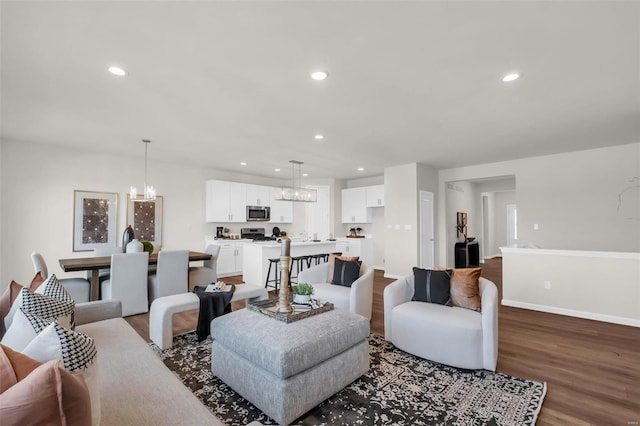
(592, 368)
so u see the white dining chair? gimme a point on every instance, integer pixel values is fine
(103, 252)
(171, 276)
(208, 272)
(78, 288)
(128, 282)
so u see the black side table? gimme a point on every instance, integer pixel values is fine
(467, 254)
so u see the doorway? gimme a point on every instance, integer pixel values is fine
(427, 240)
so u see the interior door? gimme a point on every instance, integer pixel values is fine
(427, 240)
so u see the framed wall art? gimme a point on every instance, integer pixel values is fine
(461, 224)
(145, 217)
(94, 219)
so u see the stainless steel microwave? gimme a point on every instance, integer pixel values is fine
(258, 213)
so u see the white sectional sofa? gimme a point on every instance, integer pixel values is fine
(136, 388)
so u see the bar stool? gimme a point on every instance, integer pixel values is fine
(276, 280)
(316, 258)
(299, 262)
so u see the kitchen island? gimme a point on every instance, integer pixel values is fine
(255, 263)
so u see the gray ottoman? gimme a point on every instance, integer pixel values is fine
(287, 369)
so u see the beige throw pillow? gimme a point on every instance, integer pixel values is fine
(465, 288)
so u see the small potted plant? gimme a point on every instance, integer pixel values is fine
(302, 293)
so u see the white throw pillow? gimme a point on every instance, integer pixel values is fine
(78, 354)
(43, 306)
(24, 328)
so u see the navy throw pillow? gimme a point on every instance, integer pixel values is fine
(345, 273)
(432, 286)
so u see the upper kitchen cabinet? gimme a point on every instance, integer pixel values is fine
(258, 195)
(354, 206)
(375, 196)
(226, 201)
(281, 211)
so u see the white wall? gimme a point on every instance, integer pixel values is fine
(572, 196)
(603, 286)
(37, 183)
(401, 219)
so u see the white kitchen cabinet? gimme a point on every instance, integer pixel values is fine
(226, 201)
(354, 206)
(361, 247)
(281, 211)
(375, 196)
(258, 195)
(230, 259)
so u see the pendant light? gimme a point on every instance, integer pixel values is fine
(149, 193)
(296, 192)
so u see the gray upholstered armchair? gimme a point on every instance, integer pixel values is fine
(449, 335)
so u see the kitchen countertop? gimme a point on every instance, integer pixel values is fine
(273, 244)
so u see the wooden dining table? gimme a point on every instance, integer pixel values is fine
(94, 264)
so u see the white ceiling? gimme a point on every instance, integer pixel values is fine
(216, 83)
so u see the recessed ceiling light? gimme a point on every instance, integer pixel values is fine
(319, 137)
(305, 174)
(120, 72)
(277, 170)
(361, 169)
(510, 77)
(243, 164)
(319, 75)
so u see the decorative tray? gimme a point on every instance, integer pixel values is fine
(268, 307)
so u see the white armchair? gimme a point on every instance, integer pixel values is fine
(357, 299)
(448, 335)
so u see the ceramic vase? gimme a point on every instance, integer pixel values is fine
(135, 246)
(127, 236)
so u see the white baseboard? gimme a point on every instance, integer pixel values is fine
(573, 313)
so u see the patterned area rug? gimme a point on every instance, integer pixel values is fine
(399, 389)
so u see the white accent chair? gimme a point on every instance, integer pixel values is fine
(448, 335)
(208, 273)
(171, 276)
(358, 298)
(128, 282)
(78, 288)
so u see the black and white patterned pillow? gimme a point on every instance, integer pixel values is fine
(51, 287)
(47, 307)
(37, 322)
(78, 350)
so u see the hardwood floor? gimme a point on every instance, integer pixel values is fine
(592, 368)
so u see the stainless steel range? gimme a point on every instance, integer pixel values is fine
(255, 234)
